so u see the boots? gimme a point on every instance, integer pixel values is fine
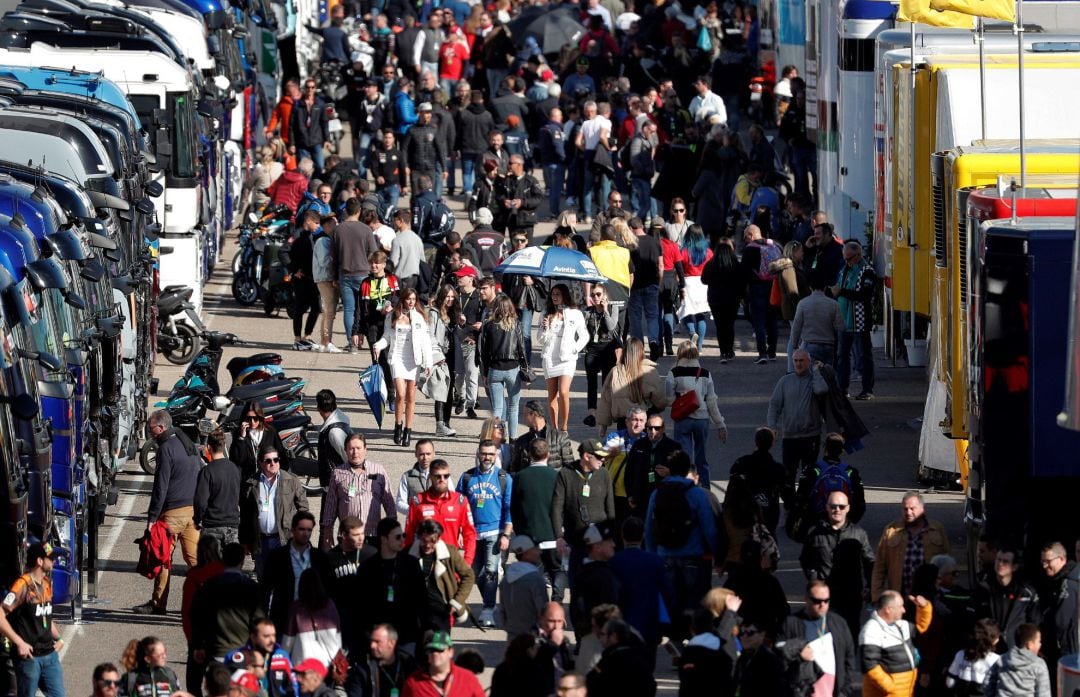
(406, 437)
(397, 433)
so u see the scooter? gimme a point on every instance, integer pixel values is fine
(177, 340)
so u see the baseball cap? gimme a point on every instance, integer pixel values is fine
(235, 661)
(521, 544)
(439, 641)
(546, 75)
(424, 106)
(597, 533)
(591, 445)
(312, 664)
(39, 550)
(466, 271)
(246, 680)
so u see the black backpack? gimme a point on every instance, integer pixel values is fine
(673, 519)
(434, 222)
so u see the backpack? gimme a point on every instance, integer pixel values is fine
(831, 478)
(673, 519)
(769, 252)
(463, 483)
(435, 223)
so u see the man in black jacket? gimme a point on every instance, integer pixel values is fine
(225, 609)
(217, 493)
(423, 148)
(520, 196)
(279, 582)
(596, 583)
(839, 551)
(1057, 603)
(1006, 598)
(381, 670)
(392, 586)
(646, 464)
(387, 165)
(305, 293)
(815, 620)
(308, 127)
(367, 121)
(583, 497)
(172, 500)
(552, 149)
(474, 124)
(447, 136)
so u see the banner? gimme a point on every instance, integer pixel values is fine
(919, 11)
(991, 9)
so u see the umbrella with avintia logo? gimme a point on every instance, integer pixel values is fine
(552, 262)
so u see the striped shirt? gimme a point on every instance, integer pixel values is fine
(358, 492)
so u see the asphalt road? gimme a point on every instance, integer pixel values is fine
(887, 465)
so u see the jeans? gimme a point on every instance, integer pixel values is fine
(643, 314)
(644, 203)
(363, 145)
(505, 406)
(763, 317)
(826, 353)
(350, 296)
(448, 86)
(468, 374)
(697, 324)
(690, 578)
(692, 435)
(495, 77)
(525, 319)
(594, 181)
(554, 175)
(39, 671)
(859, 342)
(558, 578)
(267, 544)
(388, 196)
(468, 171)
(486, 567)
(430, 67)
(181, 522)
(315, 152)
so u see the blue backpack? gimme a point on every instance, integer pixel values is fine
(830, 478)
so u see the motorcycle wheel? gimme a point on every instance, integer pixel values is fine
(245, 291)
(189, 344)
(236, 263)
(309, 482)
(148, 456)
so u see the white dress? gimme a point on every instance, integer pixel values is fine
(402, 362)
(553, 368)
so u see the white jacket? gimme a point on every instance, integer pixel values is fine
(421, 338)
(572, 339)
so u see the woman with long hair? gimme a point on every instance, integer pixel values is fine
(694, 311)
(603, 350)
(442, 317)
(562, 336)
(692, 431)
(314, 626)
(624, 236)
(502, 356)
(408, 337)
(679, 223)
(250, 437)
(633, 382)
(794, 286)
(146, 663)
(725, 289)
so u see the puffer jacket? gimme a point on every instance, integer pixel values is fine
(889, 557)
(288, 189)
(888, 659)
(1019, 673)
(474, 124)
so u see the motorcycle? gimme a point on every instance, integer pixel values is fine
(177, 340)
(247, 282)
(273, 219)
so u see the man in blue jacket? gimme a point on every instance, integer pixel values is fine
(643, 583)
(488, 489)
(277, 679)
(681, 528)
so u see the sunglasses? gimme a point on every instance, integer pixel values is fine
(678, 210)
(520, 241)
(109, 683)
(268, 460)
(252, 417)
(818, 601)
(655, 428)
(837, 506)
(440, 476)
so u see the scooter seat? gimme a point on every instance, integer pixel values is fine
(237, 365)
(169, 304)
(293, 420)
(244, 393)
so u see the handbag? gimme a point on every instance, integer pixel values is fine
(704, 41)
(339, 664)
(602, 160)
(525, 373)
(686, 403)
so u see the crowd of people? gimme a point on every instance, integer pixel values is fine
(589, 558)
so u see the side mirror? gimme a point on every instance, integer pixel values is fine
(145, 206)
(92, 271)
(43, 357)
(221, 403)
(23, 406)
(75, 300)
(153, 189)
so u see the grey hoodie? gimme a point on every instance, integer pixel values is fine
(523, 593)
(1019, 673)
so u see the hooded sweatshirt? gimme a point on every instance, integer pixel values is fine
(523, 594)
(1019, 673)
(475, 123)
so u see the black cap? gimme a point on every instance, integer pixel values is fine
(40, 550)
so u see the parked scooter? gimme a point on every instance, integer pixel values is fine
(178, 340)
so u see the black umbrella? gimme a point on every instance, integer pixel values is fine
(551, 29)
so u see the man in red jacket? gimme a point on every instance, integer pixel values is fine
(448, 507)
(291, 186)
(441, 678)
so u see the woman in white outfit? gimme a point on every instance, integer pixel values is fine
(408, 337)
(562, 337)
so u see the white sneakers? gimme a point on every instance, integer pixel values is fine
(487, 617)
(329, 348)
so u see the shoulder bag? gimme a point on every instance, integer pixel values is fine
(686, 403)
(525, 373)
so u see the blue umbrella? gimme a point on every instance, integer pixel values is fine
(373, 386)
(552, 262)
